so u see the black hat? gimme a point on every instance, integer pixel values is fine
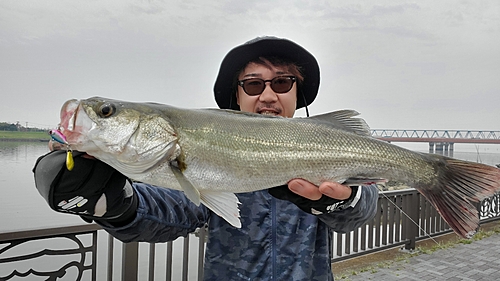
(267, 46)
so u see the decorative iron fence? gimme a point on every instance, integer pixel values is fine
(404, 217)
(49, 253)
(489, 209)
(86, 252)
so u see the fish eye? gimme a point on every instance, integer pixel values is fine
(106, 110)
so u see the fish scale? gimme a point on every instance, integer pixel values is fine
(211, 154)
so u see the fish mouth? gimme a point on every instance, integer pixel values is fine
(74, 122)
(68, 115)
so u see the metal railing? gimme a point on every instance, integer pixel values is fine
(81, 250)
(404, 217)
(75, 247)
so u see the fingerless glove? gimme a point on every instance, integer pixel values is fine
(92, 189)
(323, 205)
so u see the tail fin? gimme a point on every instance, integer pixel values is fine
(460, 183)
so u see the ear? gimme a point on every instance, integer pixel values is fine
(237, 98)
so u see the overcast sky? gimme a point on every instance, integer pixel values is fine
(401, 64)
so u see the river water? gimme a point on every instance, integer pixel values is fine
(22, 208)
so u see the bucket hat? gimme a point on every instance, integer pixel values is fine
(267, 46)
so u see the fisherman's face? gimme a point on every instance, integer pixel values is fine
(268, 102)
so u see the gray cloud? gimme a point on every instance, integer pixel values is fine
(402, 64)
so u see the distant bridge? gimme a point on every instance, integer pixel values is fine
(449, 136)
(443, 140)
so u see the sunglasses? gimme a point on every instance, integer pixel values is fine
(255, 86)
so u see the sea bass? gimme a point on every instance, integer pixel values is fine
(210, 154)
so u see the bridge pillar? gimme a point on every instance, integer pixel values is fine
(439, 148)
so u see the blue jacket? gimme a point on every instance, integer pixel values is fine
(277, 240)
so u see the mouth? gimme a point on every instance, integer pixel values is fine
(68, 115)
(73, 124)
(269, 111)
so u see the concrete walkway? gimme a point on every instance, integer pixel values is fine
(479, 260)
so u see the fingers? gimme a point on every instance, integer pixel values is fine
(313, 192)
(88, 156)
(335, 190)
(53, 145)
(304, 189)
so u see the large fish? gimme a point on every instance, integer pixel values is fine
(211, 154)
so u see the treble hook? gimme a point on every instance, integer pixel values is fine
(57, 136)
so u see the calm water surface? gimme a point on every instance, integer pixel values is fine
(21, 206)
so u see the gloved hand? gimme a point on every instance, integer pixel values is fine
(92, 189)
(324, 205)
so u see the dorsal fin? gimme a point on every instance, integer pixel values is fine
(343, 120)
(340, 119)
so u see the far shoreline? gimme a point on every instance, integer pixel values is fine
(24, 136)
(22, 140)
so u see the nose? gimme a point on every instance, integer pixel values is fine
(268, 95)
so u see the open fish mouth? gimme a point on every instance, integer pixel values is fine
(87, 129)
(74, 122)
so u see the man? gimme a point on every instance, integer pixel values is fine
(278, 240)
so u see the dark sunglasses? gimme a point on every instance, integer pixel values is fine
(255, 86)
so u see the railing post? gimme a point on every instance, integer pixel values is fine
(201, 251)
(413, 210)
(111, 255)
(479, 207)
(185, 259)
(130, 261)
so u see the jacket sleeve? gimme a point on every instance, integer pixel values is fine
(162, 215)
(353, 217)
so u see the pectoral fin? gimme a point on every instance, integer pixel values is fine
(191, 192)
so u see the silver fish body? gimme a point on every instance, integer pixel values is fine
(211, 154)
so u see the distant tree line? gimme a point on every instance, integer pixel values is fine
(18, 127)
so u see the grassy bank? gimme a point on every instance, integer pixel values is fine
(15, 135)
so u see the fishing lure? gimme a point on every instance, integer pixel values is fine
(57, 136)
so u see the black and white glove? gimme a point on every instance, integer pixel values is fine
(324, 205)
(92, 189)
